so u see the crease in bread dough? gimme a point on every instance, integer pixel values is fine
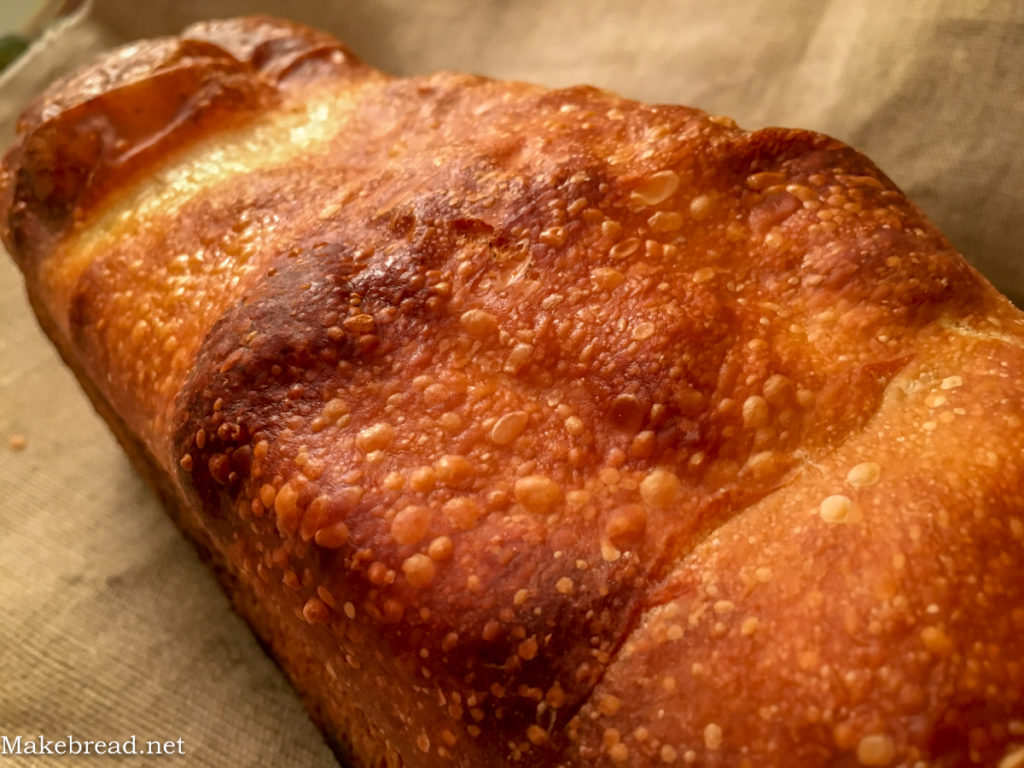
(979, 334)
(301, 129)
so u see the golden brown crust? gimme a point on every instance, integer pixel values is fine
(545, 427)
(96, 129)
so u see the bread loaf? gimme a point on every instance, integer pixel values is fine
(543, 428)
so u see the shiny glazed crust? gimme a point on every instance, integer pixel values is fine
(543, 427)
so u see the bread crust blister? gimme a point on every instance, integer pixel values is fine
(543, 427)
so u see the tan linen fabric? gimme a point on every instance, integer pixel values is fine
(109, 625)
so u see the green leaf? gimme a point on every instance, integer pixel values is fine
(11, 47)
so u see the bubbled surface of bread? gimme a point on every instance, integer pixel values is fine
(545, 427)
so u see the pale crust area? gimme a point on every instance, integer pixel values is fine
(545, 427)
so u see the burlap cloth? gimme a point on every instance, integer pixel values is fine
(109, 625)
